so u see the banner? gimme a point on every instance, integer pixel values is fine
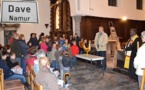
(19, 12)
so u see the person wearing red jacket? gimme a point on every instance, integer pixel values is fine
(75, 51)
(30, 58)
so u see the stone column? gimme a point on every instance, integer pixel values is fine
(76, 24)
(1, 36)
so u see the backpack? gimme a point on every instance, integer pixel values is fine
(66, 61)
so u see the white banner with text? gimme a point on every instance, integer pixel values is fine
(19, 12)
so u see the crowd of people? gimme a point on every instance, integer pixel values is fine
(50, 57)
(53, 57)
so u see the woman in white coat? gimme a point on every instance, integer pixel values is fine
(139, 60)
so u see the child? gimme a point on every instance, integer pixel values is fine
(64, 46)
(75, 51)
(58, 57)
(69, 50)
(66, 43)
(61, 41)
(13, 64)
(52, 56)
(81, 43)
(66, 61)
(11, 60)
(43, 45)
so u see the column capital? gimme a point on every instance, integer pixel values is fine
(77, 18)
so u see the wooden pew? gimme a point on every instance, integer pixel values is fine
(0, 86)
(32, 75)
(10, 84)
(38, 86)
(143, 80)
(2, 79)
(64, 77)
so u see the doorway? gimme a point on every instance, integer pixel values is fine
(7, 36)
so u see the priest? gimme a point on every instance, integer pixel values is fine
(131, 50)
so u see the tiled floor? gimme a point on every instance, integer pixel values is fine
(81, 79)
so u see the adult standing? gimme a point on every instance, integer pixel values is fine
(17, 49)
(33, 40)
(23, 44)
(139, 61)
(77, 39)
(131, 49)
(40, 37)
(101, 40)
(70, 39)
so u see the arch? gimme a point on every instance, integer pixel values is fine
(72, 7)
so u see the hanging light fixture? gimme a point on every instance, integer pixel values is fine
(46, 25)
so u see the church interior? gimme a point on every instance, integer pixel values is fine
(88, 25)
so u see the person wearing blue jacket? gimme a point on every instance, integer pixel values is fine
(33, 40)
(8, 73)
(23, 44)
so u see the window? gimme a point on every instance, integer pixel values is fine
(112, 2)
(139, 4)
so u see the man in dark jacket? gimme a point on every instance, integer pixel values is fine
(17, 49)
(77, 39)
